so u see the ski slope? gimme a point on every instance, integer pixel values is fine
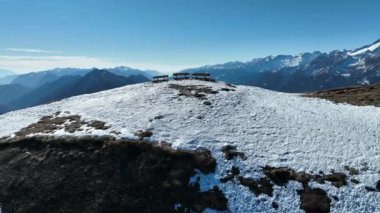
(271, 128)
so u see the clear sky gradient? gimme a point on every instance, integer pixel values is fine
(169, 35)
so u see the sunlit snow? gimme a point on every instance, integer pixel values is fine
(271, 128)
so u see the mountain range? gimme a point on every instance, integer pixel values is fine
(36, 79)
(304, 72)
(48, 89)
(6, 77)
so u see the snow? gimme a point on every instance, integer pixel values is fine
(292, 62)
(271, 128)
(364, 50)
(360, 64)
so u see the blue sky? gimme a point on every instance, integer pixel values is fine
(173, 34)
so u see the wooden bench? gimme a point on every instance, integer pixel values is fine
(181, 76)
(202, 76)
(161, 78)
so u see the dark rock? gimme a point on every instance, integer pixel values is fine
(355, 181)
(281, 176)
(261, 186)
(159, 117)
(336, 179)
(370, 189)
(234, 172)
(275, 205)
(231, 151)
(207, 103)
(315, 201)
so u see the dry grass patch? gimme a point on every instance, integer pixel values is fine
(197, 91)
(50, 124)
(360, 96)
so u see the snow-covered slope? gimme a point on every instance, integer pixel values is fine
(271, 128)
(368, 48)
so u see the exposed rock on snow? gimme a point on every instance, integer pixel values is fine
(231, 151)
(315, 200)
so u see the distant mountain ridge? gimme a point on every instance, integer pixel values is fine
(67, 86)
(4, 73)
(11, 92)
(36, 79)
(304, 72)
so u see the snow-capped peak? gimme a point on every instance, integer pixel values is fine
(365, 49)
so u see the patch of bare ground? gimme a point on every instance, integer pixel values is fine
(336, 179)
(373, 189)
(230, 152)
(360, 96)
(227, 89)
(234, 172)
(261, 186)
(197, 91)
(49, 124)
(281, 176)
(314, 200)
(351, 170)
(46, 174)
(141, 134)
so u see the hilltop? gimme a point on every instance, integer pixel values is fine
(261, 151)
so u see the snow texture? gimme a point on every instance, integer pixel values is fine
(271, 128)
